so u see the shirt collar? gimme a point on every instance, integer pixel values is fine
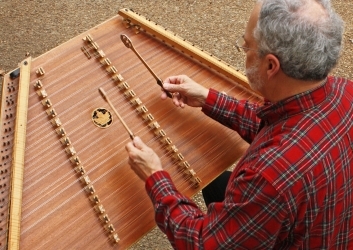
(272, 112)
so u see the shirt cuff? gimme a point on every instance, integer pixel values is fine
(159, 185)
(210, 101)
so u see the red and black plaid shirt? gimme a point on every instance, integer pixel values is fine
(291, 190)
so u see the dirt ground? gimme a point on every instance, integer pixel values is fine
(37, 26)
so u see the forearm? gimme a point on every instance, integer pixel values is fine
(166, 200)
(235, 114)
(225, 225)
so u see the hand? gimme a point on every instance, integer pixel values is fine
(142, 159)
(185, 91)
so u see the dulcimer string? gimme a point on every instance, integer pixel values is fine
(155, 138)
(62, 78)
(53, 197)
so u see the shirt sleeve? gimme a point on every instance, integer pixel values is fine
(250, 217)
(235, 114)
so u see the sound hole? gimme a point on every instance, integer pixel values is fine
(102, 117)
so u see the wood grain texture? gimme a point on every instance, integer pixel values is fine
(56, 211)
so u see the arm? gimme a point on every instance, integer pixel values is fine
(237, 115)
(250, 217)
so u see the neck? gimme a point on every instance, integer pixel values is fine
(285, 88)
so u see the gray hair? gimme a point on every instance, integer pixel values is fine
(307, 49)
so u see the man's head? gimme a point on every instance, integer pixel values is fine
(304, 35)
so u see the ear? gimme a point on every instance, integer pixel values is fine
(273, 65)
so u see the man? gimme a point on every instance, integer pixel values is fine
(293, 187)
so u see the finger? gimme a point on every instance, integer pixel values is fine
(172, 87)
(173, 79)
(182, 102)
(138, 143)
(131, 162)
(175, 99)
(163, 95)
(129, 147)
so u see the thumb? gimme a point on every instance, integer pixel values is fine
(172, 87)
(138, 143)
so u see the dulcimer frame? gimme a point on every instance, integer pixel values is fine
(75, 185)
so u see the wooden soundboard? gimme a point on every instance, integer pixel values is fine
(77, 189)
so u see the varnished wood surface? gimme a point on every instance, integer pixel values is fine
(18, 156)
(56, 211)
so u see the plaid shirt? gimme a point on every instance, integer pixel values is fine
(291, 190)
